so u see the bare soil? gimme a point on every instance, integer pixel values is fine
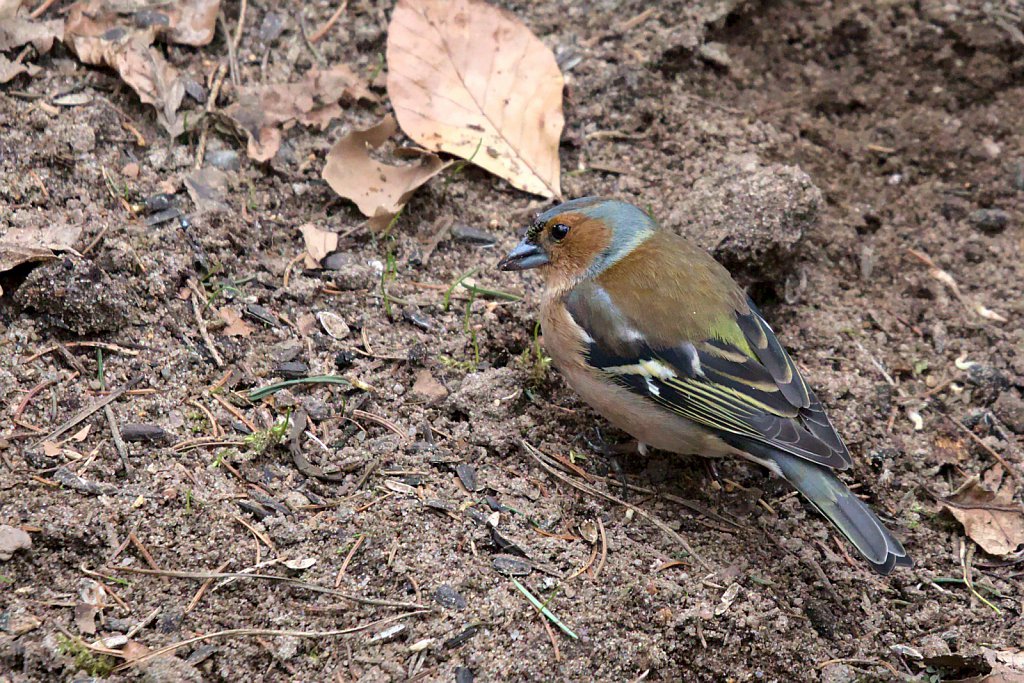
(822, 150)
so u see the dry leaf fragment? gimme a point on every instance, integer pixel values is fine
(18, 31)
(379, 190)
(27, 245)
(319, 243)
(236, 327)
(96, 38)
(990, 518)
(312, 101)
(207, 187)
(470, 79)
(8, 8)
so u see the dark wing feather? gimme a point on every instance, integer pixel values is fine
(739, 383)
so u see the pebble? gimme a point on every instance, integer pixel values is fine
(224, 159)
(989, 221)
(448, 597)
(292, 370)
(130, 170)
(1009, 408)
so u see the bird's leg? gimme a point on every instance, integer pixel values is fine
(712, 469)
(612, 451)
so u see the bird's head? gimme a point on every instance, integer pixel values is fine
(580, 238)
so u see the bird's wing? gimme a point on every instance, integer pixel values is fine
(738, 381)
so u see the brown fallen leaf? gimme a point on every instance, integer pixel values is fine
(18, 31)
(8, 8)
(313, 101)
(472, 80)
(379, 190)
(9, 69)
(134, 650)
(95, 35)
(990, 516)
(28, 245)
(236, 327)
(319, 243)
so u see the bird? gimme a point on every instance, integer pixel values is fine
(658, 338)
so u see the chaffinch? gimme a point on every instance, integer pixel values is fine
(657, 337)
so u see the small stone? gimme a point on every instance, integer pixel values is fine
(143, 432)
(75, 294)
(286, 351)
(991, 148)
(467, 475)
(715, 53)
(130, 170)
(352, 276)
(12, 539)
(1009, 408)
(470, 235)
(344, 359)
(224, 159)
(292, 370)
(989, 221)
(448, 597)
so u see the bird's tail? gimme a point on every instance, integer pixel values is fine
(838, 503)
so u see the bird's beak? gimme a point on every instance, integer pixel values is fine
(526, 255)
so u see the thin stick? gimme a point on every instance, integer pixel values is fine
(262, 537)
(604, 548)
(348, 558)
(540, 458)
(214, 427)
(384, 422)
(99, 345)
(271, 577)
(988, 449)
(143, 551)
(84, 413)
(234, 411)
(201, 324)
(39, 11)
(263, 632)
(323, 30)
(206, 585)
(122, 449)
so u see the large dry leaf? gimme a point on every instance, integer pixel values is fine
(471, 80)
(379, 190)
(94, 33)
(27, 245)
(990, 516)
(313, 101)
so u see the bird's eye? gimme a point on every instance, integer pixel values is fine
(559, 231)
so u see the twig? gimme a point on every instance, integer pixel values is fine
(122, 449)
(232, 55)
(96, 240)
(99, 345)
(323, 30)
(235, 411)
(348, 558)
(203, 332)
(988, 449)
(39, 11)
(241, 24)
(260, 536)
(211, 104)
(604, 548)
(667, 530)
(263, 632)
(271, 577)
(206, 585)
(382, 421)
(84, 413)
(143, 551)
(214, 427)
